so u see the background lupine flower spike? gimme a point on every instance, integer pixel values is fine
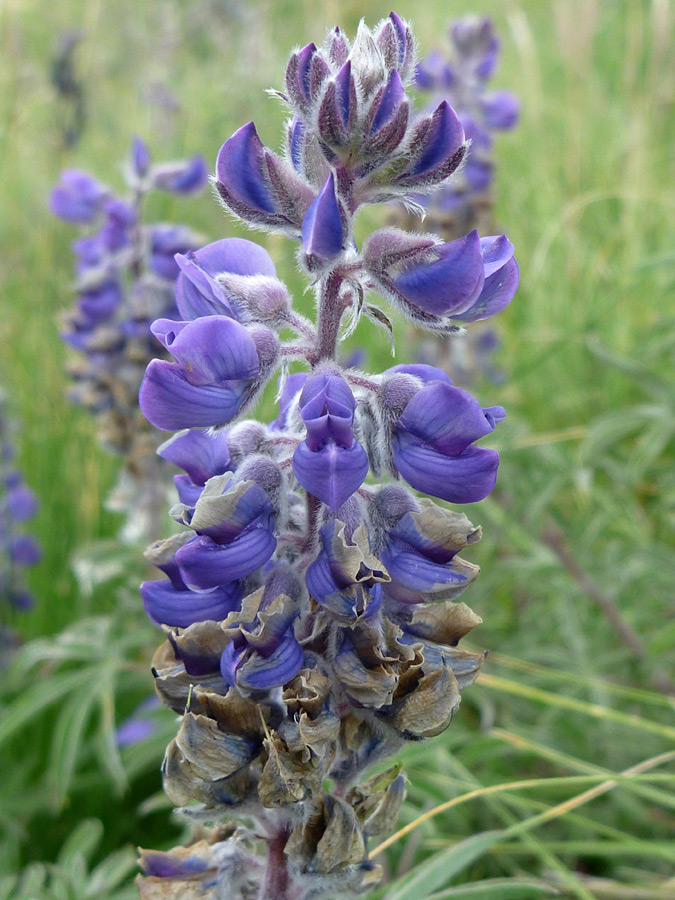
(126, 274)
(309, 611)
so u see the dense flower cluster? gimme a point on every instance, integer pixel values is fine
(18, 504)
(125, 277)
(310, 611)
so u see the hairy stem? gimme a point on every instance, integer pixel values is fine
(330, 314)
(276, 882)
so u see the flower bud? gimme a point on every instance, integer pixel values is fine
(437, 148)
(258, 186)
(322, 228)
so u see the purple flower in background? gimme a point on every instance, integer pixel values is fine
(18, 505)
(78, 197)
(125, 278)
(461, 79)
(139, 726)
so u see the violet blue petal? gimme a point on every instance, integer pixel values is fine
(498, 291)
(77, 197)
(331, 474)
(186, 177)
(120, 218)
(202, 454)
(412, 575)
(445, 137)
(448, 285)
(24, 550)
(500, 109)
(322, 231)
(204, 564)
(140, 157)
(21, 503)
(420, 370)
(291, 389)
(163, 865)
(466, 478)
(197, 291)
(210, 350)
(393, 96)
(445, 416)
(170, 402)
(188, 492)
(239, 168)
(305, 57)
(296, 142)
(343, 90)
(134, 731)
(167, 606)
(255, 672)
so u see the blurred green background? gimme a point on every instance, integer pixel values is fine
(576, 591)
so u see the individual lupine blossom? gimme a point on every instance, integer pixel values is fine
(125, 277)
(18, 550)
(310, 603)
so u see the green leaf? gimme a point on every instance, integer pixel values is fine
(498, 889)
(39, 697)
(439, 869)
(82, 842)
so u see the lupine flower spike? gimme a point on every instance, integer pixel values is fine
(18, 550)
(310, 603)
(125, 276)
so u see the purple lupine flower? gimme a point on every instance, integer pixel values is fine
(78, 197)
(198, 291)
(340, 642)
(138, 726)
(329, 463)
(217, 369)
(263, 651)
(125, 277)
(346, 579)
(432, 442)
(439, 284)
(234, 525)
(184, 177)
(201, 454)
(169, 601)
(18, 504)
